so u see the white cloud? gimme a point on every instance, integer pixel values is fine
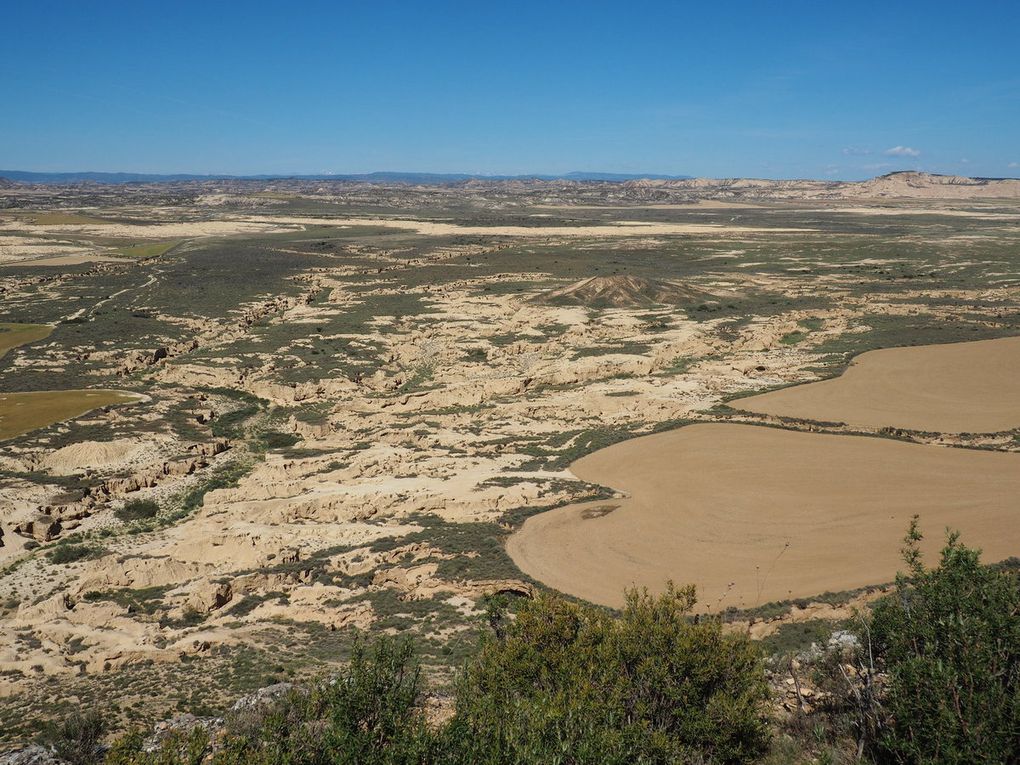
(903, 151)
(856, 151)
(1013, 165)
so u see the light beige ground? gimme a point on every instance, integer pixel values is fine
(94, 455)
(753, 514)
(955, 388)
(619, 228)
(70, 260)
(23, 412)
(171, 230)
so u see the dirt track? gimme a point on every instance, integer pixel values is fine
(753, 514)
(954, 388)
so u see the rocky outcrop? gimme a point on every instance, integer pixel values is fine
(42, 528)
(31, 755)
(210, 595)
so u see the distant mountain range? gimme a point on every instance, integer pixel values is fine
(382, 177)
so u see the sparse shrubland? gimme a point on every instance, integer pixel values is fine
(74, 549)
(934, 678)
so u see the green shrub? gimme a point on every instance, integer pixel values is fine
(564, 683)
(177, 748)
(371, 714)
(137, 510)
(70, 552)
(274, 439)
(77, 739)
(949, 639)
(570, 683)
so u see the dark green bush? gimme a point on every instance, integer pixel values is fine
(177, 748)
(274, 439)
(77, 739)
(564, 683)
(570, 683)
(949, 639)
(137, 510)
(372, 714)
(71, 552)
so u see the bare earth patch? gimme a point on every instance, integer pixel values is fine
(752, 514)
(954, 388)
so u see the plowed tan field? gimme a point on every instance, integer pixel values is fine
(954, 388)
(754, 514)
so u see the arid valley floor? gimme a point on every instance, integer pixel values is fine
(242, 421)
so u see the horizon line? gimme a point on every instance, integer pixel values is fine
(578, 175)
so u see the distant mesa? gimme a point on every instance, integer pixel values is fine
(623, 291)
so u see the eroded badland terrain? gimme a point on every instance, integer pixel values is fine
(242, 421)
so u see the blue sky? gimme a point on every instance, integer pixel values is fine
(768, 89)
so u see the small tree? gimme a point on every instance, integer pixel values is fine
(371, 714)
(570, 683)
(949, 639)
(78, 739)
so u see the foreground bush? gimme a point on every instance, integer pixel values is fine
(572, 684)
(563, 683)
(950, 641)
(78, 739)
(371, 714)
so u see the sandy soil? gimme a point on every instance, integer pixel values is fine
(753, 514)
(93, 455)
(175, 230)
(954, 388)
(621, 228)
(70, 260)
(17, 249)
(22, 412)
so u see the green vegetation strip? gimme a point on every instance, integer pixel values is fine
(148, 250)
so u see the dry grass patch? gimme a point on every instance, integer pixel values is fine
(13, 335)
(21, 413)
